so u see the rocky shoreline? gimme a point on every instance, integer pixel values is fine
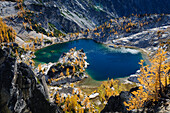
(146, 51)
(69, 68)
(142, 50)
(151, 35)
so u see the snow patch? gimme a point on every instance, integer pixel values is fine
(128, 50)
(125, 50)
(94, 95)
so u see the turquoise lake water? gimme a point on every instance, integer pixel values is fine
(104, 61)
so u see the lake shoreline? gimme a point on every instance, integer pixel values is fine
(142, 51)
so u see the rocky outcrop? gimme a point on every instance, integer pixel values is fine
(72, 15)
(76, 15)
(70, 68)
(115, 103)
(142, 34)
(20, 89)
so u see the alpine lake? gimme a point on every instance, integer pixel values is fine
(105, 62)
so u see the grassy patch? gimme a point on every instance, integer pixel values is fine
(63, 14)
(89, 85)
(55, 30)
(39, 29)
(69, 13)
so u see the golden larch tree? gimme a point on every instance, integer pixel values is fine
(154, 80)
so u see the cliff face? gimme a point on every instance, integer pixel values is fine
(73, 15)
(20, 89)
(127, 7)
(70, 16)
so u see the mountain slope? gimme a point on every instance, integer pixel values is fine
(81, 14)
(68, 16)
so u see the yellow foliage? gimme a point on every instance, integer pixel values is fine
(116, 33)
(27, 47)
(74, 69)
(57, 98)
(67, 72)
(53, 70)
(72, 85)
(138, 99)
(61, 74)
(154, 78)
(112, 88)
(39, 67)
(75, 103)
(7, 34)
(16, 52)
(52, 33)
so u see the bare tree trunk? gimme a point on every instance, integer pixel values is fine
(159, 74)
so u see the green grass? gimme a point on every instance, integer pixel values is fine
(63, 14)
(56, 31)
(69, 13)
(89, 85)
